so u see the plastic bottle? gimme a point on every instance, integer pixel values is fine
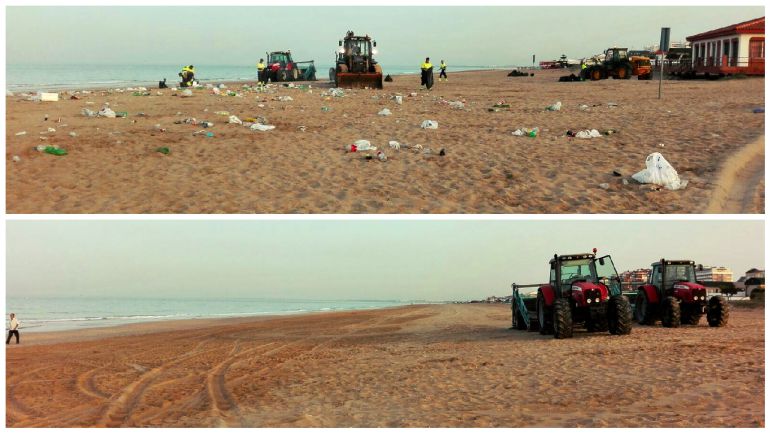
(381, 156)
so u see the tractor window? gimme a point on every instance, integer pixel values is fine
(655, 276)
(606, 273)
(358, 47)
(679, 273)
(581, 269)
(552, 279)
(279, 58)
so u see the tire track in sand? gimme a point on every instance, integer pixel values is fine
(737, 183)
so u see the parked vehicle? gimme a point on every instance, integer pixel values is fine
(673, 296)
(582, 291)
(281, 67)
(355, 65)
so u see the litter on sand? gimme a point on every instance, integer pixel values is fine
(360, 146)
(521, 132)
(429, 124)
(588, 133)
(554, 107)
(384, 112)
(261, 127)
(234, 119)
(394, 145)
(660, 172)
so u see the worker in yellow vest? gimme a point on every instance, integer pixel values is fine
(583, 68)
(261, 76)
(426, 74)
(442, 68)
(187, 74)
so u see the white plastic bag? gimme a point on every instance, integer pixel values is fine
(186, 93)
(261, 127)
(106, 112)
(429, 124)
(554, 107)
(457, 105)
(384, 112)
(394, 145)
(588, 134)
(234, 119)
(660, 172)
(364, 145)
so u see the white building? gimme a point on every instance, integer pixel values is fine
(713, 273)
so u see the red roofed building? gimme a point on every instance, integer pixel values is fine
(735, 49)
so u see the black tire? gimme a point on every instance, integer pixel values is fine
(562, 319)
(543, 316)
(283, 75)
(332, 74)
(718, 312)
(596, 74)
(642, 309)
(620, 315)
(671, 315)
(691, 315)
(629, 72)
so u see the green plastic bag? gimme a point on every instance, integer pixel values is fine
(163, 150)
(55, 151)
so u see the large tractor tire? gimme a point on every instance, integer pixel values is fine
(671, 315)
(643, 311)
(562, 319)
(596, 74)
(332, 74)
(283, 75)
(718, 312)
(619, 315)
(543, 316)
(623, 72)
(691, 315)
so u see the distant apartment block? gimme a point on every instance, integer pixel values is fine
(636, 276)
(714, 273)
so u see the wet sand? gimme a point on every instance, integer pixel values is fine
(417, 366)
(112, 166)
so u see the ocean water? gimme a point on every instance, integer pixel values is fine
(72, 77)
(62, 313)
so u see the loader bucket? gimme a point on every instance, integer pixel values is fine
(359, 81)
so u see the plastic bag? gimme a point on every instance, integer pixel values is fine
(588, 134)
(261, 127)
(429, 124)
(660, 172)
(458, 105)
(384, 112)
(554, 107)
(234, 119)
(394, 145)
(106, 112)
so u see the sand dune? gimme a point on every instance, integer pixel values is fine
(440, 365)
(113, 168)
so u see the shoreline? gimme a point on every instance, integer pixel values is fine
(168, 325)
(154, 84)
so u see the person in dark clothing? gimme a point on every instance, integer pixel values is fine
(13, 329)
(442, 69)
(426, 74)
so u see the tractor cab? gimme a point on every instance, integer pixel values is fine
(616, 55)
(281, 57)
(356, 53)
(574, 272)
(666, 274)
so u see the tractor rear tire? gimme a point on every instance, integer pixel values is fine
(642, 310)
(596, 74)
(620, 315)
(718, 312)
(624, 73)
(562, 319)
(543, 316)
(671, 315)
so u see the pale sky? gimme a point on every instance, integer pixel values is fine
(489, 35)
(385, 260)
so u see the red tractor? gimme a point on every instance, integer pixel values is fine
(673, 296)
(582, 289)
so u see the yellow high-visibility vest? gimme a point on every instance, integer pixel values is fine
(260, 66)
(443, 65)
(426, 66)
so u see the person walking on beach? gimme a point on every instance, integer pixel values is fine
(13, 329)
(426, 75)
(261, 71)
(442, 68)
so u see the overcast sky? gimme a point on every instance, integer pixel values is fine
(240, 35)
(401, 260)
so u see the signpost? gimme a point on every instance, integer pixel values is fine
(665, 33)
(533, 60)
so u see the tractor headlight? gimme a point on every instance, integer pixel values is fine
(598, 299)
(341, 51)
(374, 51)
(588, 300)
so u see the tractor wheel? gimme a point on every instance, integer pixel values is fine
(596, 74)
(691, 315)
(283, 75)
(562, 319)
(623, 72)
(671, 317)
(642, 309)
(619, 315)
(718, 312)
(332, 74)
(543, 316)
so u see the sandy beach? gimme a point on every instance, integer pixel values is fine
(416, 366)
(701, 127)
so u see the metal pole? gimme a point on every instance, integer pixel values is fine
(660, 77)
